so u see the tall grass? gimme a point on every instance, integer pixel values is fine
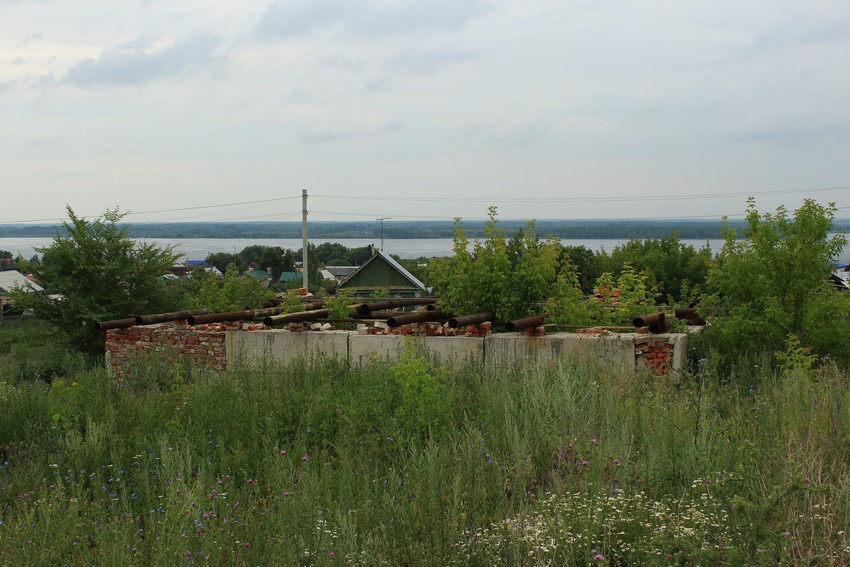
(422, 464)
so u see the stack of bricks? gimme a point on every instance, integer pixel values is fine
(657, 354)
(204, 343)
(535, 331)
(429, 329)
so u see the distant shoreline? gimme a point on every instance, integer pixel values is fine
(605, 229)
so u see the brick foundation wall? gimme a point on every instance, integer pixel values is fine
(204, 343)
(208, 344)
(656, 353)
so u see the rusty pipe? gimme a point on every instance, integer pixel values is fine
(296, 317)
(165, 317)
(656, 322)
(234, 316)
(392, 303)
(690, 315)
(275, 301)
(375, 315)
(115, 324)
(475, 319)
(416, 317)
(520, 324)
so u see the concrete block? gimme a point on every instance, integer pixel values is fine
(284, 347)
(509, 349)
(366, 348)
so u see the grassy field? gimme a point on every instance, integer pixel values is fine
(418, 464)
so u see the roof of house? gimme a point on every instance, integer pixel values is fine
(13, 278)
(339, 271)
(259, 274)
(381, 256)
(287, 276)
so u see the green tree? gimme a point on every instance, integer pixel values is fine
(678, 270)
(584, 263)
(93, 272)
(233, 292)
(774, 283)
(509, 278)
(221, 260)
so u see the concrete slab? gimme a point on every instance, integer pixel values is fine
(284, 347)
(366, 348)
(509, 349)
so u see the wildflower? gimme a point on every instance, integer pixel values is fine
(786, 533)
(807, 480)
(286, 493)
(599, 557)
(283, 451)
(617, 462)
(247, 544)
(594, 441)
(585, 462)
(331, 554)
(305, 458)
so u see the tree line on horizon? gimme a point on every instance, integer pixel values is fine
(575, 229)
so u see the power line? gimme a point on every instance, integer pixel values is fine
(133, 213)
(630, 198)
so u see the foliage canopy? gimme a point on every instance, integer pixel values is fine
(774, 283)
(94, 272)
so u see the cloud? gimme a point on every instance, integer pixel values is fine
(330, 136)
(288, 18)
(132, 64)
(426, 62)
(509, 137)
(323, 137)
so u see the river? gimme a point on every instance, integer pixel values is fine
(199, 248)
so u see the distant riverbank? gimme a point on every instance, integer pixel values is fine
(200, 248)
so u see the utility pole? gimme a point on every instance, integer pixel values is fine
(304, 236)
(381, 220)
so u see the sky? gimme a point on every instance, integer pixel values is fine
(212, 110)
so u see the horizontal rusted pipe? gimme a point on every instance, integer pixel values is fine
(296, 317)
(248, 315)
(165, 317)
(392, 303)
(655, 322)
(521, 324)
(115, 324)
(376, 315)
(310, 300)
(689, 314)
(475, 319)
(417, 317)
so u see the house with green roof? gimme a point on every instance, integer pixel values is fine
(382, 272)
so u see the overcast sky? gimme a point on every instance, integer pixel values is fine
(422, 108)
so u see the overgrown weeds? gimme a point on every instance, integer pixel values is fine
(420, 463)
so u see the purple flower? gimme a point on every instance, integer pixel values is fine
(283, 451)
(305, 458)
(617, 462)
(599, 557)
